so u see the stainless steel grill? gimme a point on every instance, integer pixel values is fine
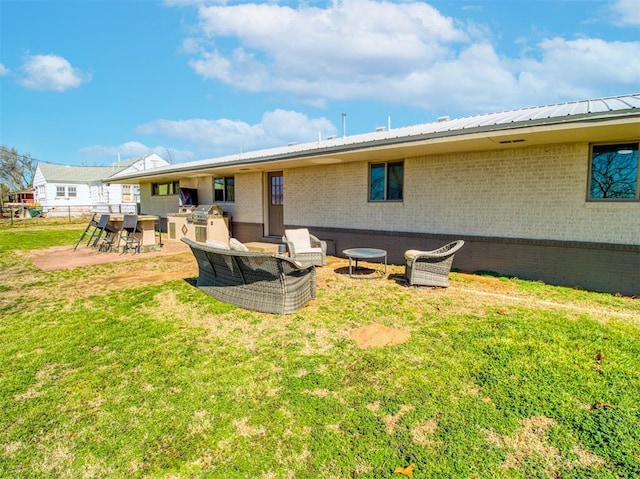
(202, 213)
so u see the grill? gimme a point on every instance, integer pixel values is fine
(202, 213)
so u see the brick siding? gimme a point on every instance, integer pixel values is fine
(536, 192)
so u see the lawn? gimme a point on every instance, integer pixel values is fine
(109, 374)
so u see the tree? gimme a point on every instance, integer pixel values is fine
(171, 159)
(16, 169)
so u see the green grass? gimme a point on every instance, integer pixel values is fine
(30, 240)
(151, 381)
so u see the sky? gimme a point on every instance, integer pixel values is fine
(88, 82)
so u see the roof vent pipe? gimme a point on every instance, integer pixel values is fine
(344, 125)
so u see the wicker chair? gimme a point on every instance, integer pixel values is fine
(305, 248)
(257, 281)
(431, 268)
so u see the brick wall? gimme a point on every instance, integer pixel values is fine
(598, 267)
(535, 193)
(248, 206)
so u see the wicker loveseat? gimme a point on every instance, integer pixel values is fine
(257, 281)
(431, 268)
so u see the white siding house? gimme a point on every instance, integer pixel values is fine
(63, 190)
(549, 193)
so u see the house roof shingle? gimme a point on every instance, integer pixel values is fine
(55, 173)
(76, 174)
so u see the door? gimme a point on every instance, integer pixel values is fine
(276, 201)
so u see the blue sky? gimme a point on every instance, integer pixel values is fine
(84, 81)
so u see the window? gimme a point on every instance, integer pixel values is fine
(126, 194)
(224, 189)
(72, 192)
(613, 173)
(277, 189)
(60, 191)
(165, 189)
(385, 181)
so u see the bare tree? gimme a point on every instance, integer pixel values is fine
(16, 169)
(170, 156)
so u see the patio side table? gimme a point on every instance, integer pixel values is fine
(366, 254)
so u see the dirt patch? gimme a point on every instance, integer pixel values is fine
(378, 336)
(532, 442)
(488, 283)
(390, 420)
(64, 257)
(423, 434)
(106, 272)
(132, 274)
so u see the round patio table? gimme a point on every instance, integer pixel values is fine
(367, 254)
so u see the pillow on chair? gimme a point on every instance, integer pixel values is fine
(217, 244)
(411, 254)
(300, 238)
(235, 245)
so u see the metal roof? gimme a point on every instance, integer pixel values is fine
(584, 110)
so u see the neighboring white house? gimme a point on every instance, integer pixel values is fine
(63, 190)
(549, 193)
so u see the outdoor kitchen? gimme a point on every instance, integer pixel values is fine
(199, 223)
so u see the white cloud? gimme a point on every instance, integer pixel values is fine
(221, 136)
(3, 70)
(626, 12)
(276, 128)
(308, 50)
(469, 81)
(50, 72)
(134, 149)
(401, 53)
(581, 68)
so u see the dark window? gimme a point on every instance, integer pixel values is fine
(72, 192)
(385, 181)
(614, 172)
(224, 189)
(165, 189)
(277, 190)
(60, 191)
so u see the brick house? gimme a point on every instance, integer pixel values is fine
(549, 193)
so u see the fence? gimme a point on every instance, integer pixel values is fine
(24, 210)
